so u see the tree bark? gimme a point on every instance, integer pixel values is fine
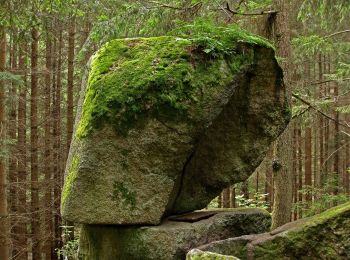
(57, 169)
(226, 198)
(308, 163)
(12, 134)
(70, 81)
(283, 177)
(4, 253)
(22, 156)
(47, 203)
(34, 147)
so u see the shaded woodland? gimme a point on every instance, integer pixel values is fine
(44, 49)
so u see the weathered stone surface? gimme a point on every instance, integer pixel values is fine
(162, 127)
(196, 254)
(171, 239)
(323, 236)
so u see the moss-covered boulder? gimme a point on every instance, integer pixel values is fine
(171, 240)
(323, 236)
(164, 124)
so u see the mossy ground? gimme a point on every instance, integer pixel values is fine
(133, 79)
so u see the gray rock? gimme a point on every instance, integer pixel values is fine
(171, 239)
(162, 128)
(323, 236)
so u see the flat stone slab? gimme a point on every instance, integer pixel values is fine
(171, 239)
(193, 216)
(323, 236)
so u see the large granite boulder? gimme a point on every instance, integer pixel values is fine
(171, 240)
(323, 236)
(164, 124)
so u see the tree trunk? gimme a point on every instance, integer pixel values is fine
(308, 163)
(4, 253)
(70, 88)
(47, 203)
(12, 133)
(336, 162)
(57, 171)
(226, 198)
(283, 177)
(22, 157)
(70, 81)
(300, 170)
(34, 148)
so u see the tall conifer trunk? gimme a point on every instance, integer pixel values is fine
(22, 156)
(34, 148)
(3, 198)
(283, 174)
(48, 221)
(12, 133)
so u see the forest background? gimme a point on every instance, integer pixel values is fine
(44, 49)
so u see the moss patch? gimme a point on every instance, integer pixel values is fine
(324, 236)
(72, 174)
(121, 192)
(133, 79)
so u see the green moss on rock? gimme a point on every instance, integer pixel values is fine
(323, 236)
(132, 79)
(72, 174)
(122, 192)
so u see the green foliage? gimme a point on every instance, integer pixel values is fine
(343, 109)
(325, 197)
(69, 249)
(4, 144)
(212, 38)
(257, 202)
(311, 45)
(323, 14)
(256, 5)
(13, 78)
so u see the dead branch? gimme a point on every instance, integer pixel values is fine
(328, 80)
(344, 124)
(235, 12)
(336, 33)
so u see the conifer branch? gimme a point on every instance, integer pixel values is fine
(344, 124)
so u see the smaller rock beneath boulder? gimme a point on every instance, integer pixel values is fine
(196, 254)
(171, 239)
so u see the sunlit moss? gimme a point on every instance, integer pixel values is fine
(72, 174)
(131, 80)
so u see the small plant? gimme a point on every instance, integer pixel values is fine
(69, 250)
(257, 202)
(324, 198)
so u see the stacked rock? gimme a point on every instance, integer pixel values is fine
(164, 125)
